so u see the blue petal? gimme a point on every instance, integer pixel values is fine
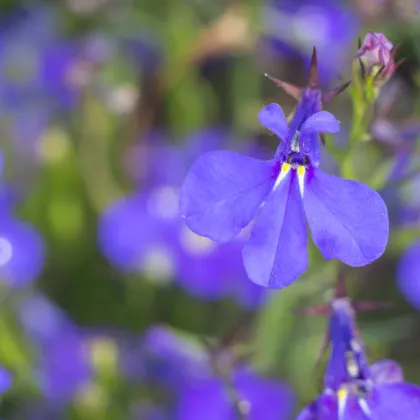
(223, 192)
(269, 399)
(272, 117)
(323, 408)
(208, 400)
(126, 232)
(276, 253)
(348, 220)
(395, 401)
(168, 358)
(408, 274)
(65, 367)
(321, 122)
(386, 372)
(5, 380)
(216, 272)
(204, 399)
(22, 252)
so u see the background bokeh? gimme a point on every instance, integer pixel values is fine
(104, 106)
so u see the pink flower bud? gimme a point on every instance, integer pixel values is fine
(377, 56)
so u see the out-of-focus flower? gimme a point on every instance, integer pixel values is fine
(63, 364)
(297, 26)
(408, 274)
(6, 380)
(200, 380)
(22, 252)
(377, 57)
(163, 357)
(145, 233)
(257, 397)
(35, 62)
(225, 191)
(353, 389)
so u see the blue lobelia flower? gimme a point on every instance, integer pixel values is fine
(203, 380)
(259, 398)
(35, 62)
(63, 364)
(353, 390)
(408, 274)
(172, 360)
(224, 191)
(5, 380)
(22, 251)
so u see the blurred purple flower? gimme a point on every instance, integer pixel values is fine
(386, 371)
(144, 232)
(162, 357)
(259, 397)
(63, 366)
(5, 380)
(297, 26)
(36, 63)
(171, 359)
(187, 368)
(408, 274)
(224, 191)
(22, 252)
(352, 389)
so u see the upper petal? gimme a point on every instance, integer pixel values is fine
(321, 122)
(348, 220)
(272, 117)
(276, 253)
(386, 371)
(223, 192)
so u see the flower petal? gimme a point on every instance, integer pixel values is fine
(22, 252)
(268, 399)
(223, 192)
(408, 278)
(276, 253)
(348, 220)
(321, 122)
(126, 231)
(395, 401)
(386, 371)
(272, 117)
(203, 399)
(324, 407)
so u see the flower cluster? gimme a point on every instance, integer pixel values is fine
(224, 192)
(172, 200)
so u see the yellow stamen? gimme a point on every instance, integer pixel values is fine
(342, 394)
(285, 167)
